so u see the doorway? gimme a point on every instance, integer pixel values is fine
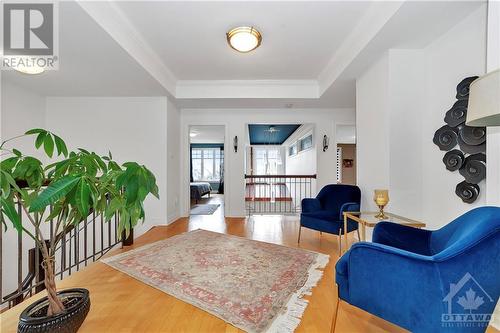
(346, 154)
(206, 174)
(280, 168)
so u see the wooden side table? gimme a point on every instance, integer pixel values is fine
(368, 219)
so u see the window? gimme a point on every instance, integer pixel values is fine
(268, 161)
(306, 142)
(300, 145)
(207, 164)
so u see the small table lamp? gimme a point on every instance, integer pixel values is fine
(484, 100)
(381, 199)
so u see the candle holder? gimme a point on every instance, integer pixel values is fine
(381, 199)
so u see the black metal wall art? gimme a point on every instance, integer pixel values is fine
(470, 158)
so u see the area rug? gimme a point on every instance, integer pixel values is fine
(207, 209)
(255, 286)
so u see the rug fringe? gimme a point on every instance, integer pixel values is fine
(288, 321)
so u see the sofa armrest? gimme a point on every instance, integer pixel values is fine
(397, 285)
(403, 237)
(348, 207)
(310, 205)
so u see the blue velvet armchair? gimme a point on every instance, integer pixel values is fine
(446, 280)
(325, 212)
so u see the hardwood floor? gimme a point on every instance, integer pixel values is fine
(123, 304)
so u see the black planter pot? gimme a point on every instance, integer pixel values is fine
(34, 319)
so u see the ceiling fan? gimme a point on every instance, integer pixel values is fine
(272, 132)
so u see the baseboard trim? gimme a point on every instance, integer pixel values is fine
(172, 218)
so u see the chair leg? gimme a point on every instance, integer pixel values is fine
(340, 242)
(300, 229)
(359, 237)
(335, 314)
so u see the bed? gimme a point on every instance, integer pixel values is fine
(199, 189)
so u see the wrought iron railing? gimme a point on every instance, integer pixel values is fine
(79, 246)
(277, 194)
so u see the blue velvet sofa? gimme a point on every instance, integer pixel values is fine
(425, 281)
(325, 212)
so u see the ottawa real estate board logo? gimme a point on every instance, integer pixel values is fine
(466, 303)
(30, 36)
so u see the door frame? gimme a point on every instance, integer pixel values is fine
(186, 165)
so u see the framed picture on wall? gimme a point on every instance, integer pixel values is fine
(347, 162)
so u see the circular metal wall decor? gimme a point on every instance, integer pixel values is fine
(463, 87)
(472, 136)
(456, 115)
(469, 149)
(467, 192)
(469, 159)
(454, 159)
(445, 138)
(474, 169)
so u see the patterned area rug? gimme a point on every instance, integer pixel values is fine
(255, 286)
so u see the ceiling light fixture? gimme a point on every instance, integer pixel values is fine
(32, 70)
(244, 39)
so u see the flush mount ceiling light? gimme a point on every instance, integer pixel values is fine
(244, 39)
(32, 70)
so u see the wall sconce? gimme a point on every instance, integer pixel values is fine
(326, 141)
(235, 144)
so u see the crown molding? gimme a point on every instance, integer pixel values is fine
(119, 27)
(368, 27)
(247, 89)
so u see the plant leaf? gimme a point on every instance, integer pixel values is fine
(54, 192)
(35, 131)
(10, 211)
(40, 139)
(9, 163)
(61, 146)
(48, 145)
(55, 212)
(82, 197)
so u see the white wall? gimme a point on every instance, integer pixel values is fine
(457, 54)
(304, 162)
(401, 102)
(132, 128)
(173, 162)
(389, 99)
(406, 105)
(346, 134)
(493, 139)
(235, 122)
(372, 131)
(21, 110)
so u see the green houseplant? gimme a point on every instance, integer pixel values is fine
(79, 183)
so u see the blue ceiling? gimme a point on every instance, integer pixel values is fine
(260, 134)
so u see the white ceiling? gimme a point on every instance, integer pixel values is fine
(91, 63)
(311, 54)
(207, 134)
(299, 38)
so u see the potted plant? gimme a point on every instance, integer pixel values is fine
(78, 184)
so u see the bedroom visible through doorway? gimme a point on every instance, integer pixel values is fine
(206, 157)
